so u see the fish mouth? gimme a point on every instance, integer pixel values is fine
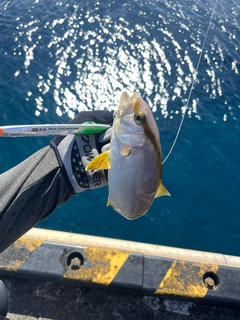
(124, 123)
(127, 103)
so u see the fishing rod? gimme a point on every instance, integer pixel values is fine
(193, 83)
(40, 130)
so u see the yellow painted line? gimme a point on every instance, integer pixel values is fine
(136, 247)
(102, 267)
(30, 244)
(186, 279)
(19, 253)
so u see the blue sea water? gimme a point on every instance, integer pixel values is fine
(58, 58)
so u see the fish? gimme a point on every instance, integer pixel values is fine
(134, 159)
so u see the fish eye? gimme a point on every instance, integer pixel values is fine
(140, 118)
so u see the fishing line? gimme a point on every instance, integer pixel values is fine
(193, 83)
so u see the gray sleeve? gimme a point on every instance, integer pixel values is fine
(29, 192)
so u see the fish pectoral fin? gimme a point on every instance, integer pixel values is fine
(108, 203)
(101, 162)
(162, 191)
(125, 150)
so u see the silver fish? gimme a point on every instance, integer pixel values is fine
(134, 159)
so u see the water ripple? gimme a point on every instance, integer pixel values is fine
(90, 54)
(61, 57)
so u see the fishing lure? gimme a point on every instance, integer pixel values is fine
(40, 130)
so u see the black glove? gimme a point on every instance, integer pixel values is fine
(74, 152)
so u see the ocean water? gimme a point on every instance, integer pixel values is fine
(58, 58)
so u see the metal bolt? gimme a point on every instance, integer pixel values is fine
(75, 263)
(210, 283)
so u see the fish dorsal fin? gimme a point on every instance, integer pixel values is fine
(101, 162)
(162, 191)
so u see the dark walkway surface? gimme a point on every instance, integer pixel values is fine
(32, 299)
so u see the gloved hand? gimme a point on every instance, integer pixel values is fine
(74, 152)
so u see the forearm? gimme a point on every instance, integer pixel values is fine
(32, 190)
(29, 192)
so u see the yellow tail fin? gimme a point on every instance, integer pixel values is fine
(101, 162)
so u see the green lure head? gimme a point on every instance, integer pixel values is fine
(90, 127)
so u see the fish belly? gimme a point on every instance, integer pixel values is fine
(133, 180)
